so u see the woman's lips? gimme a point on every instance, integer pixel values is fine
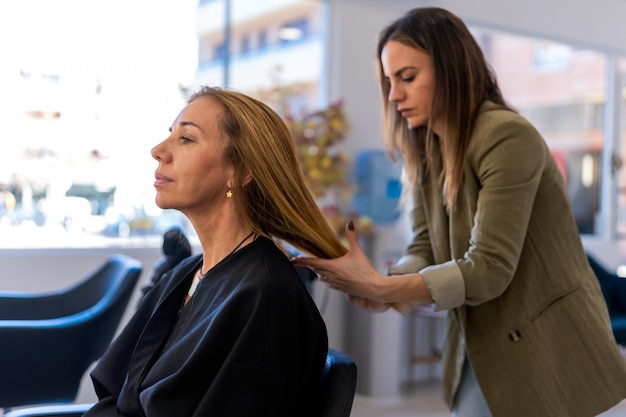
(161, 179)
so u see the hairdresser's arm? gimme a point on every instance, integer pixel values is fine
(444, 282)
(355, 275)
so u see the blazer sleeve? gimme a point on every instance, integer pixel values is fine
(509, 159)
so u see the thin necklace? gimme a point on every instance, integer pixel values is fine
(199, 276)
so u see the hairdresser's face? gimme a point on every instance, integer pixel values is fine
(192, 175)
(411, 79)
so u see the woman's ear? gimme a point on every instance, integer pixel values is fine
(247, 179)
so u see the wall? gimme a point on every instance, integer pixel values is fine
(592, 24)
(48, 269)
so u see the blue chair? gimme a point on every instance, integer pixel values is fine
(338, 385)
(63, 410)
(614, 291)
(337, 390)
(49, 339)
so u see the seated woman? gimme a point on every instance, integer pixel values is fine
(231, 331)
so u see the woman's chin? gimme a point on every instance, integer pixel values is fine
(412, 122)
(162, 203)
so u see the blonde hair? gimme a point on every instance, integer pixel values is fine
(276, 203)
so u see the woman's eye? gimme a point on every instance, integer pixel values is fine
(183, 139)
(408, 79)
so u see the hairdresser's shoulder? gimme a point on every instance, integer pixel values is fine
(494, 119)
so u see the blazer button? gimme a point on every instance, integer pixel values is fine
(515, 335)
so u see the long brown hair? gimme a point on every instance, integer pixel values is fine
(276, 202)
(463, 81)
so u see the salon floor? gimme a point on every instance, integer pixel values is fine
(424, 401)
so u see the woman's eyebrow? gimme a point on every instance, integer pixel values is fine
(186, 123)
(399, 72)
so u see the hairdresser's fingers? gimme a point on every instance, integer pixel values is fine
(316, 264)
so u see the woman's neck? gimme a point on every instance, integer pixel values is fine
(222, 239)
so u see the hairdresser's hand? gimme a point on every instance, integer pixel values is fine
(352, 273)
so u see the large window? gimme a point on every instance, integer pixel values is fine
(85, 95)
(563, 91)
(83, 98)
(274, 51)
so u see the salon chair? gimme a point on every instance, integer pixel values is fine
(49, 339)
(338, 385)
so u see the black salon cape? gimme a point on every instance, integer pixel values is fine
(250, 342)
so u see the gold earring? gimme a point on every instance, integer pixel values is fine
(229, 193)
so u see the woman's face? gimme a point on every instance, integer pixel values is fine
(411, 78)
(192, 174)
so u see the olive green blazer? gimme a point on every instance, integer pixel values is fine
(534, 324)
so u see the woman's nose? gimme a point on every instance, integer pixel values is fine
(158, 151)
(395, 94)
(154, 152)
